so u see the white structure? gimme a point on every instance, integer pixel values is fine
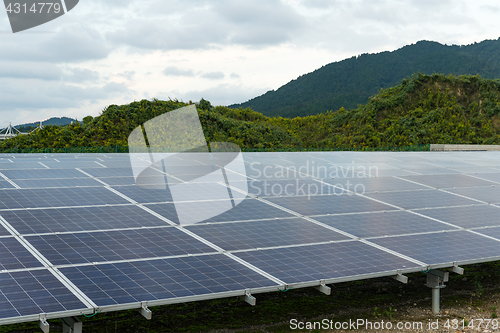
(9, 132)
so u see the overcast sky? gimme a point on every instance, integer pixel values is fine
(227, 51)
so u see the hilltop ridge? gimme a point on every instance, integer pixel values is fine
(350, 82)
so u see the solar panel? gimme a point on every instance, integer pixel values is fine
(466, 217)
(118, 245)
(325, 262)
(58, 197)
(59, 182)
(265, 233)
(446, 181)
(382, 223)
(53, 220)
(421, 199)
(164, 279)
(444, 248)
(486, 194)
(33, 292)
(77, 233)
(15, 256)
(329, 204)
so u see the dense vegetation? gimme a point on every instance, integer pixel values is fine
(352, 81)
(421, 109)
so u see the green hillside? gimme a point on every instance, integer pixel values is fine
(352, 81)
(422, 109)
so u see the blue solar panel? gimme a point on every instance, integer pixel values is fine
(58, 197)
(382, 224)
(370, 184)
(109, 172)
(488, 194)
(43, 174)
(466, 217)
(326, 261)
(80, 219)
(77, 248)
(266, 233)
(421, 199)
(60, 182)
(329, 204)
(443, 247)
(34, 292)
(248, 209)
(449, 181)
(13, 255)
(5, 184)
(150, 280)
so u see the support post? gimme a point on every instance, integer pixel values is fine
(71, 325)
(145, 312)
(436, 280)
(44, 325)
(249, 298)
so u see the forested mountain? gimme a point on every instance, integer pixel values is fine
(422, 109)
(51, 121)
(352, 81)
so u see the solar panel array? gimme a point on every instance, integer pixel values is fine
(78, 236)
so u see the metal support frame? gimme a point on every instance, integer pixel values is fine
(44, 325)
(71, 325)
(324, 289)
(249, 298)
(401, 278)
(145, 312)
(436, 280)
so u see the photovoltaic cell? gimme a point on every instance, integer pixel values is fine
(266, 233)
(150, 280)
(34, 292)
(448, 181)
(466, 217)
(421, 199)
(20, 165)
(43, 174)
(145, 195)
(109, 172)
(85, 247)
(287, 187)
(325, 261)
(5, 184)
(366, 185)
(248, 209)
(443, 247)
(329, 204)
(3, 231)
(60, 182)
(488, 194)
(492, 232)
(382, 224)
(80, 219)
(58, 197)
(13, 255)
(72, 164)
(493, 176)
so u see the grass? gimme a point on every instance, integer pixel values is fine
(380, 298)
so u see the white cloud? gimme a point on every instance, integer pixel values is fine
(175, 71)
(117, 51)
(213, 75)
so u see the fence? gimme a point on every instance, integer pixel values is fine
(121, 149)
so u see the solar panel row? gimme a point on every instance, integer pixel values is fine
(75, 234)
